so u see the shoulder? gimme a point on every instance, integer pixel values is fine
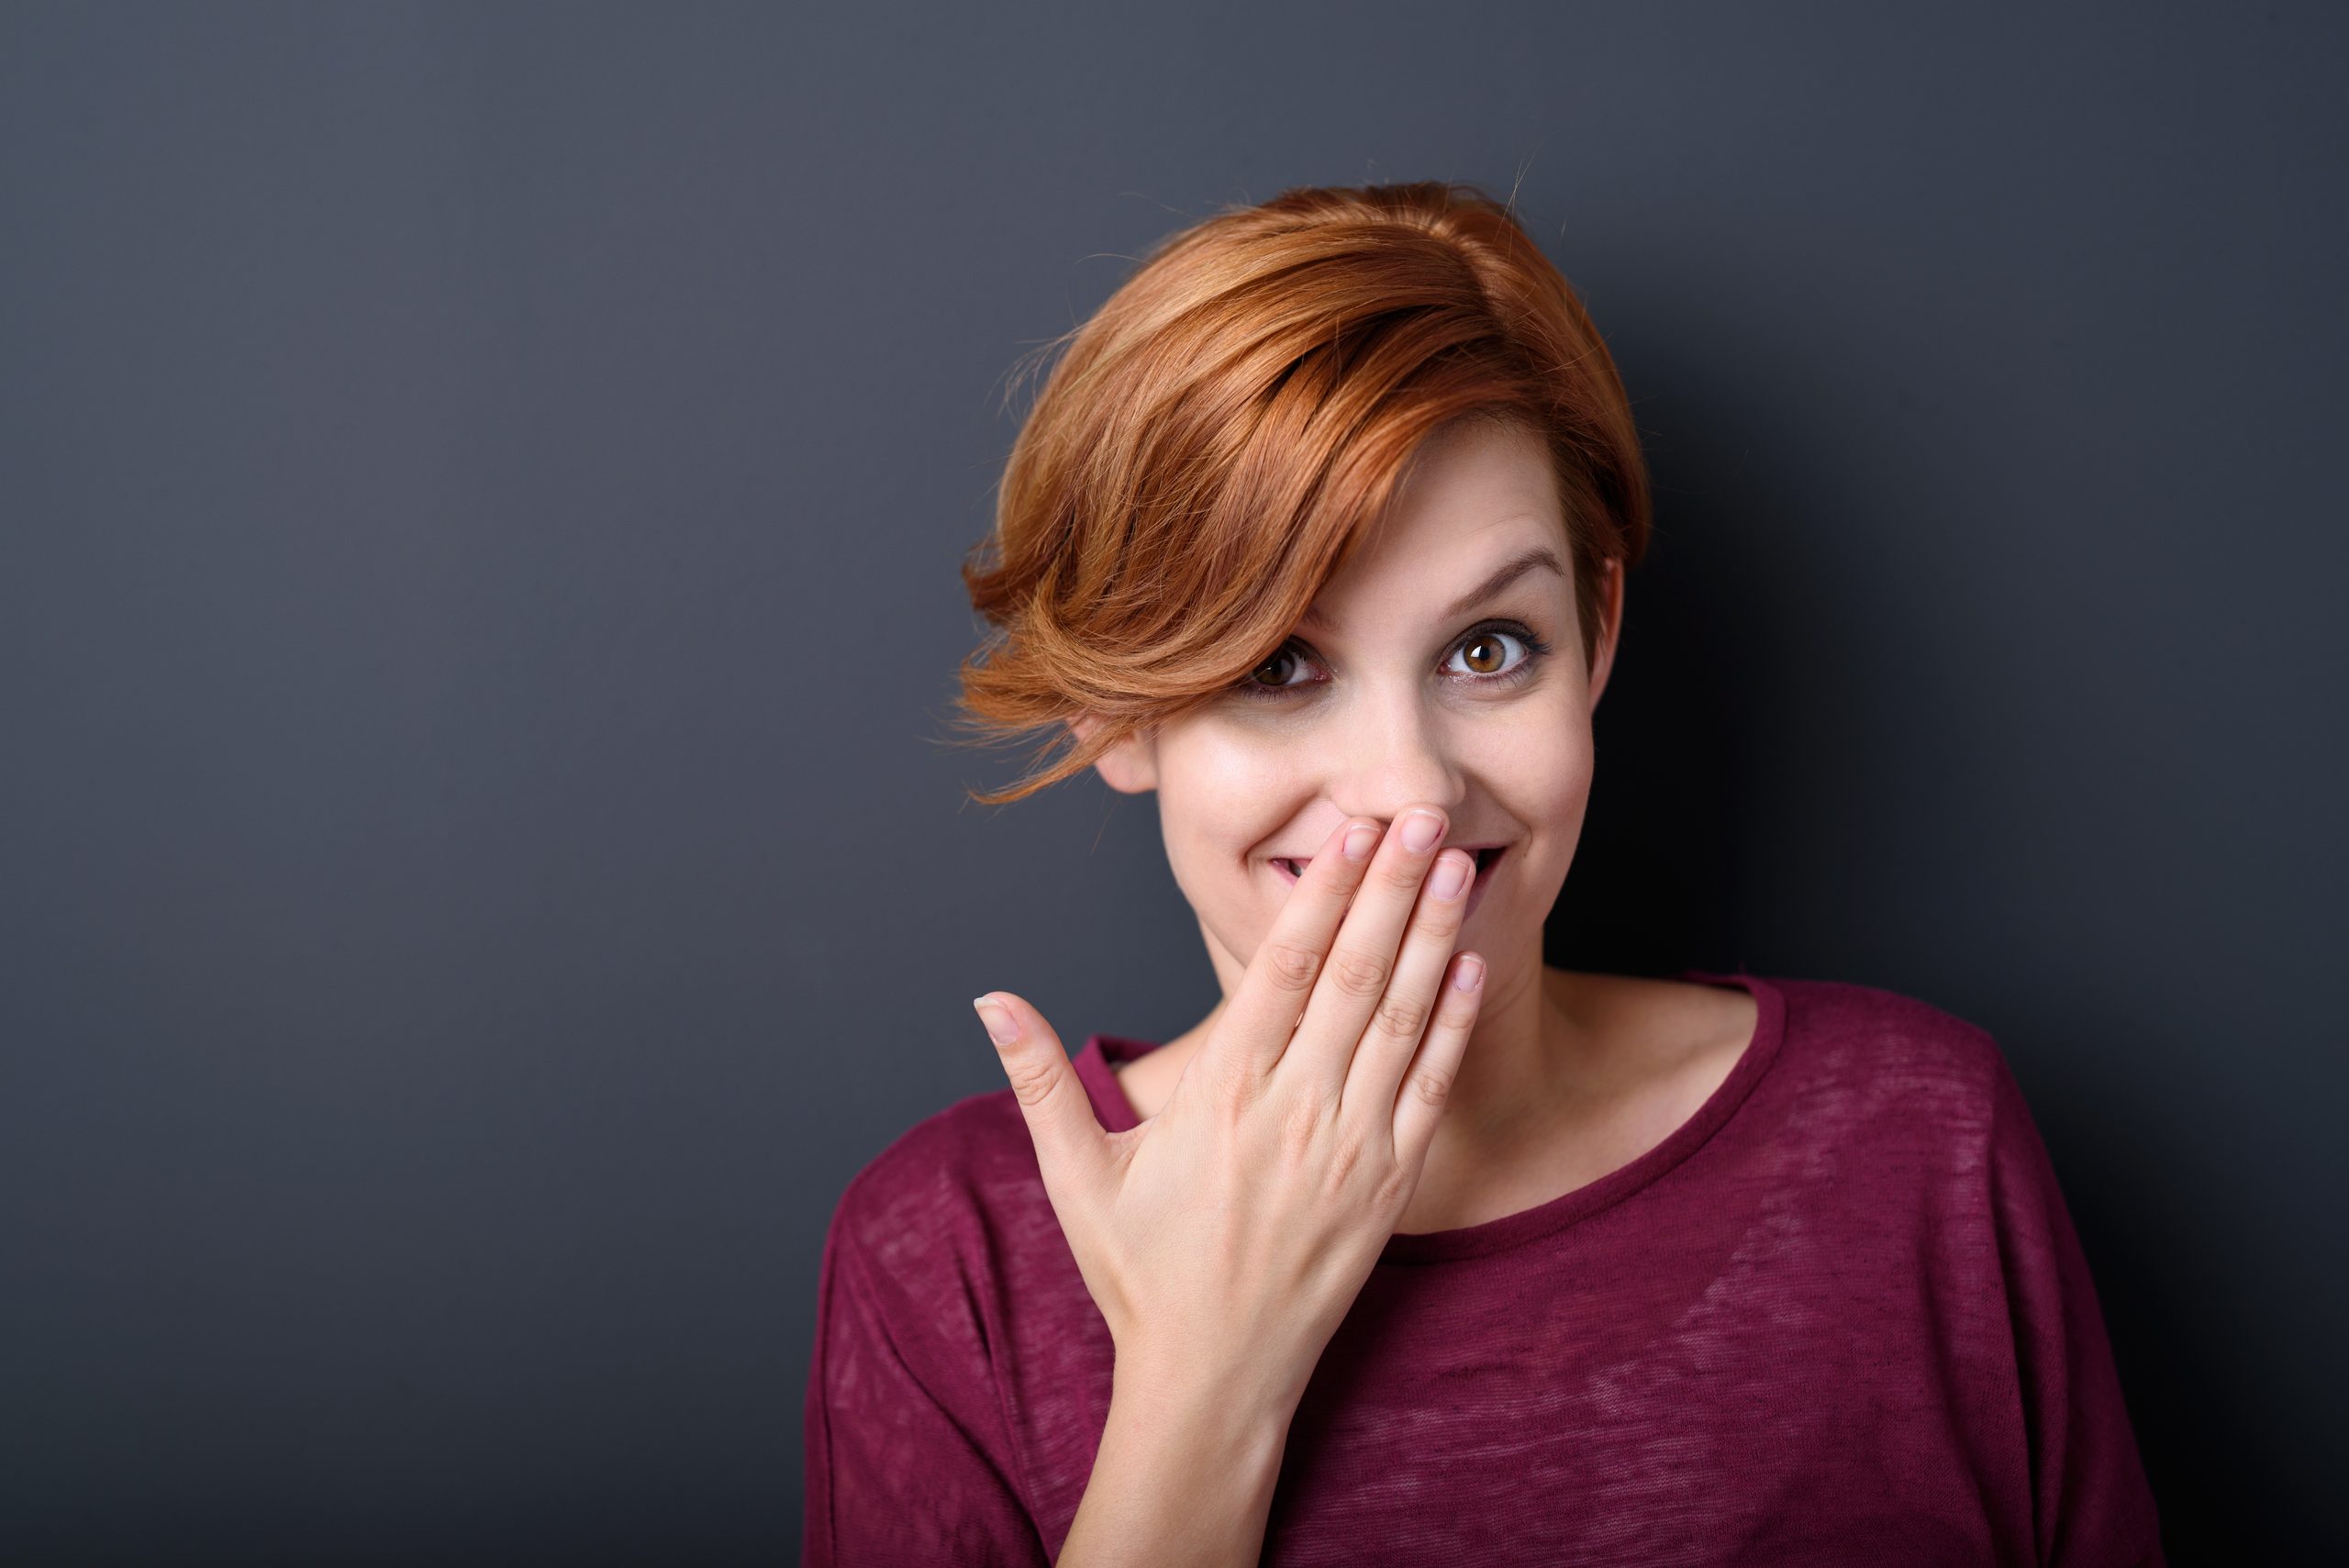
(1889, 1027)
(932, 1188)
(1893, 1056)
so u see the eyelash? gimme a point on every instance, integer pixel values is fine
(1536, 649)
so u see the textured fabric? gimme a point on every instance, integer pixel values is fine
(1840, 1315)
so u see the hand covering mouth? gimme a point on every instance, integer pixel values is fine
(1488, 855)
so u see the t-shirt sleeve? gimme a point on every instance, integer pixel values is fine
(896, 1473)
(2090, 1501)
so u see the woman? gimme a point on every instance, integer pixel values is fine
(1415, 1249)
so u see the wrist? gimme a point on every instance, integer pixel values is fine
(1184, 1473)
(1228, 1403)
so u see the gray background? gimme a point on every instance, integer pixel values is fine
(482, 488)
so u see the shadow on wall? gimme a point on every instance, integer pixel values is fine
(1749, 707)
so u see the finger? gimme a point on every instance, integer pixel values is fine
(1402, 1015)
(1361, 960)
(1272, 992)
(1071, 1146)
(1427, 1085)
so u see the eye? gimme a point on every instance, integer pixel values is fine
(1486, 649)
(1286, 659)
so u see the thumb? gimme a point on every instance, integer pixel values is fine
(1068, 1137)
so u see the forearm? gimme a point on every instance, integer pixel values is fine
(1184, 1478)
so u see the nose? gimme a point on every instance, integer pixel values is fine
(1389, 755)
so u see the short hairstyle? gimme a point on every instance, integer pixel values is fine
(1218, 436)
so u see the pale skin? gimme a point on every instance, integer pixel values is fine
(1225, 1237)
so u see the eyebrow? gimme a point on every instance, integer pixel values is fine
(1540, 557)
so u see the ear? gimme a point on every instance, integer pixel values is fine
(1610, 627)
(1130, 767)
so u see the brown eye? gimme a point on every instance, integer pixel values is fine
(1484, 652)
(1489, 650)
(1279, 666)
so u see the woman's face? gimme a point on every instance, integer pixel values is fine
(1407, 683)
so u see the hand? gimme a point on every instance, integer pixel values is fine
(1225, 1238)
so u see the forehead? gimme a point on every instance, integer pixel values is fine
(1474, 498)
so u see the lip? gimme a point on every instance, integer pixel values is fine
(1489, 860)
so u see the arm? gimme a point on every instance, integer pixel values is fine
(1225, 1238)
(1184, 1476)
(896, 1472)
(2089, 1496)
(902, 1455)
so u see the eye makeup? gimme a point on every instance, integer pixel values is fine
(1537, 650)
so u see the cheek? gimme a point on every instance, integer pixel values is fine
(1566, 784)
(1542, 771)
(1542, 786)
(1219, 802)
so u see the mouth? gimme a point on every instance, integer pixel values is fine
(1488, 859)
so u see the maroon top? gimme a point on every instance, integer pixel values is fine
(1839, 1316)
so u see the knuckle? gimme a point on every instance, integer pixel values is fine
(1032, 1082)
(1441, 919)
(1402, 1017)
(1402, 875)
(1300, 1121)
(1432, 1084)
(1358, 973)
(1291, 963)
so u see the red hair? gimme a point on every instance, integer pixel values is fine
(1219, 435)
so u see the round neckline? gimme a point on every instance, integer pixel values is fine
(1101, 1053)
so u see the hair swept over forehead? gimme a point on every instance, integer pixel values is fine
(1212, 444)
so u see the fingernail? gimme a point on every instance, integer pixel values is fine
(1360, 840)
(1001, 1028)
(1421, 828)
(1472, 973)
(1450, 874)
